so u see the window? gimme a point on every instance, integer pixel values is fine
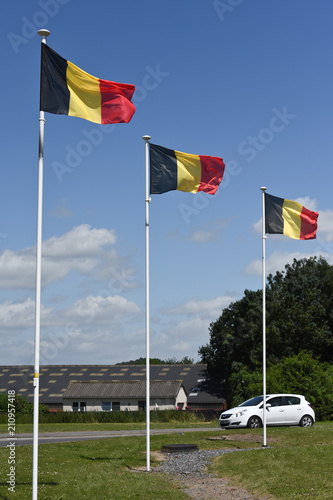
(79, 406)
(278, 401)
(292, 400)
(115, 406)
(142, 405)
(253, 402)
(106, 405)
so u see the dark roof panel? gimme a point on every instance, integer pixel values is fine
(55, 379)
(129, 389)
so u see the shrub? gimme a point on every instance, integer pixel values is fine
(300, 374)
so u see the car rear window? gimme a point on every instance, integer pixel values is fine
(292, 400)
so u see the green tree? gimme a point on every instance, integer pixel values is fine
(22, 405)
(299, 317)
(142, 361)
(300, 310)
(235, 338)
(184, 361)
(156, 361)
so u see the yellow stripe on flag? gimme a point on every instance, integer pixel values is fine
(188, 172)
(291, 213)
(85, 95)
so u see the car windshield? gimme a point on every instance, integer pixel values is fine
(253, 402)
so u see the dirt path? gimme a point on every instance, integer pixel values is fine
(214, 488)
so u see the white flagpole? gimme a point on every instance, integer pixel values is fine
(44, 34)
(147, 199)
(263, 189)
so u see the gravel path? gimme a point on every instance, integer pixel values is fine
(189, 469)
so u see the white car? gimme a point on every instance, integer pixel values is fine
(281, 409)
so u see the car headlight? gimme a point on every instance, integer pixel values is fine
(239, 414)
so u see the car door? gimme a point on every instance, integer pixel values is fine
(275, 411)
(293, 410)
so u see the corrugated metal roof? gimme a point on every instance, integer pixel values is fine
(122, 389)
(54, 379)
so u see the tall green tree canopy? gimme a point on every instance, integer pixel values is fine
(299, 317)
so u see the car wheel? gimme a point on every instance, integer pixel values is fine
(306, 421)
(254, 422)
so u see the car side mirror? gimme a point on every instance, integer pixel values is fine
(268, 405)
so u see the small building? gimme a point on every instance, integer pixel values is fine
(124, 395)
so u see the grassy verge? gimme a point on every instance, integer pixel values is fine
(104, 469)
(70, 427)
(297, 465)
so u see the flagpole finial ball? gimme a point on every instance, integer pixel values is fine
(43, 32)
(146, 137)
(263, 188)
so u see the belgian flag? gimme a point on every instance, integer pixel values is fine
(68, 90)
(172, 170)
(289, 218)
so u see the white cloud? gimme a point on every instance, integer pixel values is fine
(81, 241)
(278, 260)
(89, 325)
(209, 232)
(96, 327)
(56, 269)
(178, 339)
(99, 341)
(307, 202)
(205, 308)
(61, 211)
(325, 226)
(92, 311)
(107, 330)
(81, 249)
(102, 310)
(17, 269)
(118, 271)
(182, 339)
(92, 325)
(257, 227)
(19, 315)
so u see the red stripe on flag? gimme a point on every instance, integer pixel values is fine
(308, 224)
(212, 170)
(116, 102)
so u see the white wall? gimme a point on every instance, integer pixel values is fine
(131, 404)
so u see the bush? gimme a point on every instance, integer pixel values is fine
(300, 374)
(303, 374)
(130, 416)
(22, 406)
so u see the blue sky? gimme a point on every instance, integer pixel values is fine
(250, 82)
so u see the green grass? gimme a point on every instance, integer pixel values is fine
(296, 465)
(70, 427)
(101, 469)
(88, 470)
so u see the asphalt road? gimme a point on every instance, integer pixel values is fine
(65, 437)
